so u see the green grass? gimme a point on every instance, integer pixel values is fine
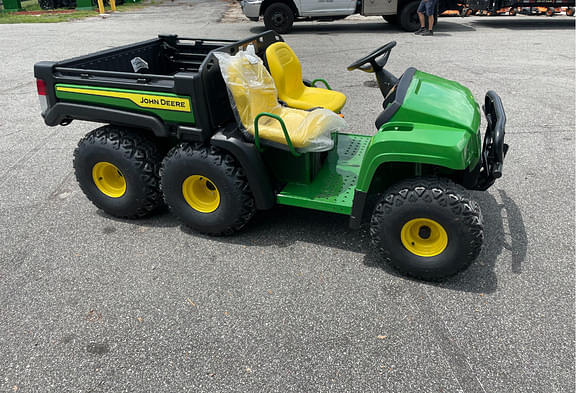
(47, 17)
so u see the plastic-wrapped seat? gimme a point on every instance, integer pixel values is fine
(286, 70)
(252, 92)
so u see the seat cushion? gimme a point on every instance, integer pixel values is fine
(313, 97)
(286, 71)
(307, 130)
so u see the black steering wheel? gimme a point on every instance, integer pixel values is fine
(375, 61)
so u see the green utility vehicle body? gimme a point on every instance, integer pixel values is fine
(437, 123)
(433, 121)
(429, 126)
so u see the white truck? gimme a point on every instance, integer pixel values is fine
(279, 15)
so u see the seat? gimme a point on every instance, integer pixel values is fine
(287, 73)
(253, 92)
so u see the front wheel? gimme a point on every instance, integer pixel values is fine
(279, 17)
(428, 228)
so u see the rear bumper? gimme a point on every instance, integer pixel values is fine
(493, 149)
(251, 8)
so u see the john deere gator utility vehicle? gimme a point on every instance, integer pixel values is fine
(219, 129)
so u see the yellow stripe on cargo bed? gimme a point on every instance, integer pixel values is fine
(142, 100)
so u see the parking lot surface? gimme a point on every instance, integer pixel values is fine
(296, 302)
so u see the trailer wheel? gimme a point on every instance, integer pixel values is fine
(392, 19)
(409, 18)
(206, 189)
(279, 17)
(570, 11)
(117, 169)
(427, 228)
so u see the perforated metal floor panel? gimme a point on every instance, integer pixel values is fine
(333, 188)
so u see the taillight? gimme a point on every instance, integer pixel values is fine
(41, 87)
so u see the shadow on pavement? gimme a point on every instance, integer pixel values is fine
(361, 27)
(511, 23)
(162, 218)
(283, 226)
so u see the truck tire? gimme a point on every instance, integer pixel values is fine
(206, 189)
(569, 11)
(117, 169)
(408, 17)
(392, 19)
(279, 17)
(428, 228)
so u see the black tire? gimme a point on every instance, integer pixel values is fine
(439, 201)
(279, 17)
(138, 159)
(222, 173)
(569, 11)
(408, 16)
(392, 19)
(46, 4)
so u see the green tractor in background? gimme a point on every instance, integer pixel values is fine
(219, 129)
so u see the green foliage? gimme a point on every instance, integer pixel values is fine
(51, 17)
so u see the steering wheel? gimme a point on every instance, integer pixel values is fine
(371, 63)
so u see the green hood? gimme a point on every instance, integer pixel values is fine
(441, 102)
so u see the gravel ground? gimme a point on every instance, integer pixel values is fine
(296, 302)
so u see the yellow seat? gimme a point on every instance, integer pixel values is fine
(253, 92)
(287, 73)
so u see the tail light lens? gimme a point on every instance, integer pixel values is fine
(41, 87)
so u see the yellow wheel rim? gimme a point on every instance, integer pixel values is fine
(109, 180)
(424, 237)
(201, 193)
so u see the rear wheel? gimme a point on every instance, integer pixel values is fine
(408, 16)
(117, 169)
(279, 17)
(570, 12)
(427, 228)
(206, 189)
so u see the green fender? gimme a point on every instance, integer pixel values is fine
(438, 145)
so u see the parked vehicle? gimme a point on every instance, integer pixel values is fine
(279, 15)
(196, 123)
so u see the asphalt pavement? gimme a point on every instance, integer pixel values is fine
(296, 302)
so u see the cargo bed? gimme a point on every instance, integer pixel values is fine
(179, 91)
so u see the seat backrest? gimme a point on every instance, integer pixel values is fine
(251, 86)
(285, 69)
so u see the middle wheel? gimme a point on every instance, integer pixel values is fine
(206, 189)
